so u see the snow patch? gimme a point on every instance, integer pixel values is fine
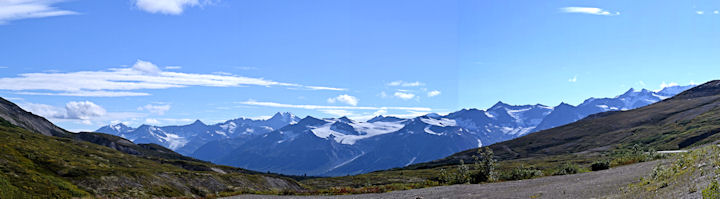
(365, 129)
(442, 122)
(429, 131)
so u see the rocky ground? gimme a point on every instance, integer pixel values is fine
(601, 184)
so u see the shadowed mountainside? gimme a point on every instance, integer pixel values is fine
(688, 119)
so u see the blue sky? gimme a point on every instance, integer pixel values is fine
(85, 64)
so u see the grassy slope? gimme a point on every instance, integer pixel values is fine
(34, 165)
(686, 175)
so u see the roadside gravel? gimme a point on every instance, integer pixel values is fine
(599, 184)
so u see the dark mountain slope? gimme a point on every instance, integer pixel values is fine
(689, 119)
(19, 117)
(33, 165)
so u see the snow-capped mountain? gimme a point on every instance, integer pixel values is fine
(632, 99)
(341, 146)
(186, 139)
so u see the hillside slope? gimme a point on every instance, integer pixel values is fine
(34, 165)
(688, 119)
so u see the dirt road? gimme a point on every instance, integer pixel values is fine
(600, 184)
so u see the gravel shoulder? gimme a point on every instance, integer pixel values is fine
(599, 184)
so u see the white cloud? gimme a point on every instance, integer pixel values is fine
(117, 82)
(383, 94)
(44, 110)
(405, 96)
(170, 7)
(146, 67)
(324, 88)
(406, 84)
(338, 112)
(344, 98)
(574, 79)
(700, 12)
(172, 67)
(671, 84)
(318, 107)
(380, 112)
(11, 10)
(152, 121)
(716, 12)
(156, 109)
(88, 93)
(433, 93)
(84, 110)
(589, 10)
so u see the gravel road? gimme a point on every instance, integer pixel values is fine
(600, 184)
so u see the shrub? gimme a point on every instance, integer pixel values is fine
(463, 174)
(711, 191)
(522, 173)
(566, 169)
(485, 166)
(600, 165)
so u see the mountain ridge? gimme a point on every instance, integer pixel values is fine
(353, 150)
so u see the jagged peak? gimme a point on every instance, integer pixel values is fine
(310, 120)
(345, 119)
(499, 104)
(198, 122)
(283, 116)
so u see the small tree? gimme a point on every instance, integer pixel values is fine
(485, 164)
(444, 177)
(463, 173)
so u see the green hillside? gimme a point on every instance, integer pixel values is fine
(33, 165)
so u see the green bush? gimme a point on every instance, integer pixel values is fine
(522, 173)
(712, 191)
(600, 165)
(566, 169)
(485, 166)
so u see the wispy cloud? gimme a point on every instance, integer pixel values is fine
(117, 82)
(324, 88)
(347, 99)
(11, 10)
(169, 7)
(406, 84)
(355, 112)
(574, 79)
(320, 107)
(589, 10)
(405, 96)
(433, 93)
(700, 12)
(156, 109)
(85, 112)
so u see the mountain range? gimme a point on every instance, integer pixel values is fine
(687, 120)
(341, 146)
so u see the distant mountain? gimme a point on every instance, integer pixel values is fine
(689, 119)
(186, 139)
(341, 146)
(632, 99)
